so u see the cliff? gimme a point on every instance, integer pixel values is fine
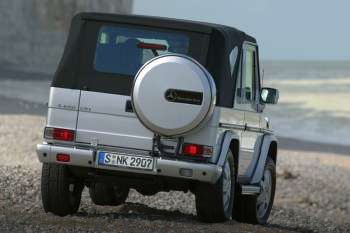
(33, 32)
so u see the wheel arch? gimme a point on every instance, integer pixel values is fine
(230, 141)
(234, 147)
(273, 151)
(268, 149)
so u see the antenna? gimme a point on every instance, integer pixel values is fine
(262, 77)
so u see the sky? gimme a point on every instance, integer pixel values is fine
(285, 29)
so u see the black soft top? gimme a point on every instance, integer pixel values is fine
(222, 40)
(231, 34)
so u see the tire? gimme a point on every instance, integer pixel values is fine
(108, 195)
(247, 207)
(210, 198)
(60, 192)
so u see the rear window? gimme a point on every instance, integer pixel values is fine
(123, 50)
(108, 55)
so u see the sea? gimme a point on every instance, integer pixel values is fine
(314, 102)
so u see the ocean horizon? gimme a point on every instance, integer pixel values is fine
(314, 100)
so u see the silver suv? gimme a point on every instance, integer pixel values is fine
(156, 105)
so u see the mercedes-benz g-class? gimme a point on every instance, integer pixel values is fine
(158, 104)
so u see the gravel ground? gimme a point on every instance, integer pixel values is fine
(312, 195)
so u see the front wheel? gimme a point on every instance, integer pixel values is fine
(214, 202)
(256, 209)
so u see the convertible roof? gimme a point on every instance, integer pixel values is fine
(231, 34)
(221, 41)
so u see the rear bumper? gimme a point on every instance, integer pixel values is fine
(82, 157)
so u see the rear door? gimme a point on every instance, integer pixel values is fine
(106, 119)
(111, 57)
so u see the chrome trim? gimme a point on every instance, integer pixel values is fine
(253, 129)
(163, 167)
(232, 126)
(267, 131)
(250, 190)
(245, 127)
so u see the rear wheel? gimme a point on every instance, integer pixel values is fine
(214, 202)
(60, 191)
(106, 194)
(256, 209)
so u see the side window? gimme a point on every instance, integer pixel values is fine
(233, 59)
(248, 80)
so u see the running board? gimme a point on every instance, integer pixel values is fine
(250, 190)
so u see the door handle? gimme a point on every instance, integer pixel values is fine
(128, 106)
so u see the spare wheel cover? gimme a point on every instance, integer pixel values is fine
(173, 94)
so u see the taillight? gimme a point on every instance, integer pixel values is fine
(59, 134)
(64, 158)
(197, 150)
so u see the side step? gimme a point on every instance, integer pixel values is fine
(250, 189)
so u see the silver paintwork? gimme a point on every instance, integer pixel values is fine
(63, 98)
(79, 157)
(107, 121)
(61, 118)
(63, 108)
(253, 157)
(100, 121)
(172, 72)
(251, 164)
(113, 131)
(85, 158)
(103, 103)
(251, 119)
(250, 143)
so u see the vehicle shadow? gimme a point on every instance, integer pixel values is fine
(140, 211)
(136, 211)
(289, 228)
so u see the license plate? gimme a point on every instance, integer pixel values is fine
(125, 160)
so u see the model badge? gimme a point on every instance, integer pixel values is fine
(85, 109)
(185, 97)
(67, 107)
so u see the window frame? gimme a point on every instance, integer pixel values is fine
(117, 31)
(253, 104)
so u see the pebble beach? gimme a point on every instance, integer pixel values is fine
(312, 194)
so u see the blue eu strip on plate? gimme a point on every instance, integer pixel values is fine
(101, 158)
